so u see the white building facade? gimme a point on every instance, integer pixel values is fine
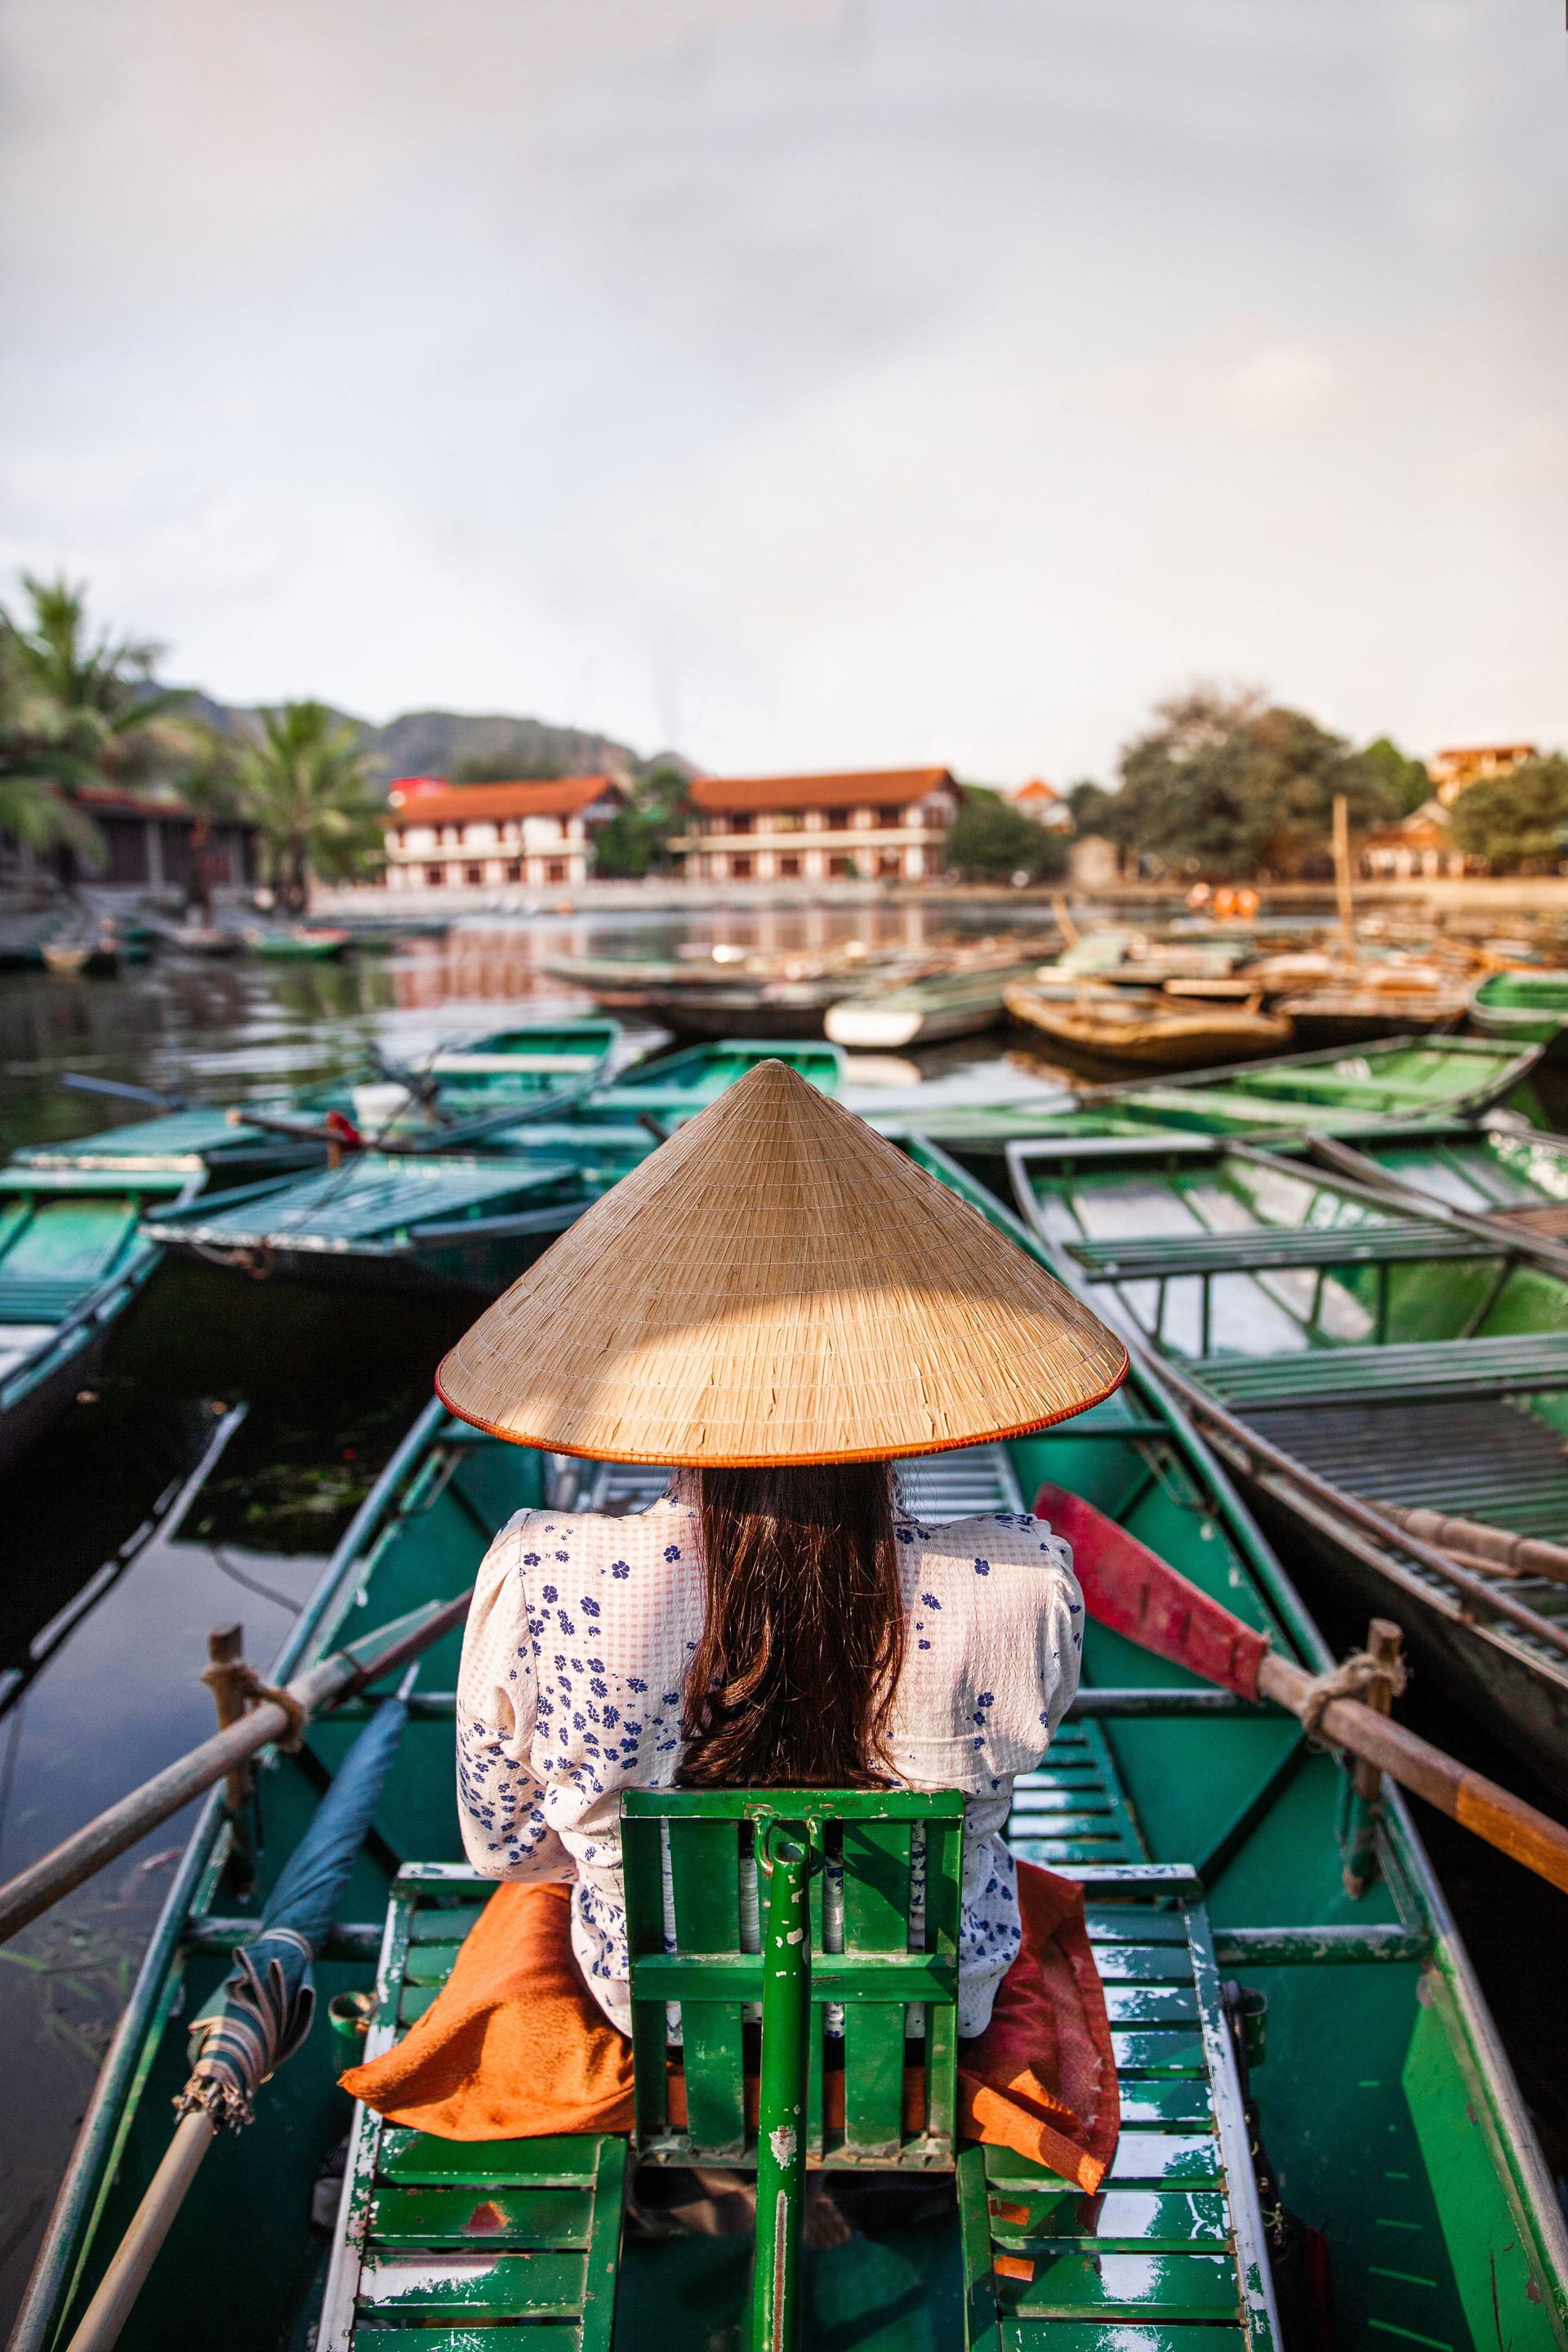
(886, 824)
(442, 836)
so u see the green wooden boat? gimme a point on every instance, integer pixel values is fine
(296, 943)
(195, 1141)
(676, 1087)
(1206, 1834)
(1400, 1078)
(1526, 1008)
(1509, 1175)
(436, 1221)
(1399, 1354)
(72, 1258)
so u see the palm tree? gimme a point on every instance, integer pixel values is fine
(35, 807)
(307, 784)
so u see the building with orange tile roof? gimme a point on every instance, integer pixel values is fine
(884, 823)
(482, 836)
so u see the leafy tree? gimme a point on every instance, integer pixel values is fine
(990, 841)
(1093, 808)
(633, 843)
(1407, 779)
(1230, 784)
(34, 806)
(1517, 822)
(307, 785)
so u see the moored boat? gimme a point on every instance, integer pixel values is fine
(1128, 1025)
(1525, 1007)
(1205, 1832)
(1508, 1177)
(1403, 1078)
(676, 1087)
(1402, 1359)
(923, 1012)
(72, 1258)
(296, 942)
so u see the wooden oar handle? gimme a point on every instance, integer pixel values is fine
(1478, 1804)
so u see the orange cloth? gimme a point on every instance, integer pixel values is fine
(514, 2046)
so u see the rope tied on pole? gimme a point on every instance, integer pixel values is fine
(238, 1675)
(1353, 1677)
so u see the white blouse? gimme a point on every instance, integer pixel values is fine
(578, 1642)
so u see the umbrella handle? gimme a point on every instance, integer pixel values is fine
(121, 2282)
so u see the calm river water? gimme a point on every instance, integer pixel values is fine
(91, 1520)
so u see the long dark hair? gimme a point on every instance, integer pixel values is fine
(804, 1634)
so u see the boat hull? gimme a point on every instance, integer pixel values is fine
(1174, 1039)
(1339, 1023)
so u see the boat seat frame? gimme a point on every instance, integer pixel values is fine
(1398, 1372)
(1264, 1249)
(495, 2246)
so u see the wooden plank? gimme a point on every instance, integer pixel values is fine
(562, 2161)
(1151, 2005)
(1142, 2159)
(1074, 2285)
(1144, 1964)
(1187, 2100)
(1124, 2220)
(476, 2285)
(479, 2212)
(1160, 2336)
(602, 2270)
(1162, 2050)
(445, 1923)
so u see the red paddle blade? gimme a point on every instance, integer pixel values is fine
(1129, 1588)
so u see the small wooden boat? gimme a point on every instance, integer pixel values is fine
(195, 1140)
(437, 1222)
(676, 1087)
(923, 1011)
(1361, 1012)
(296, 943)
(1401, 1079)
(1528, 1008)
(772, 1008)
(1401, 1357)
(72, 1258)
(1128, 1025)
(465, 1089)
(1504, 1177)
(95, 948)
(203, 940)
(1205, 1831)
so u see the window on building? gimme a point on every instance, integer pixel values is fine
(473, 876)
(784, 820)
(889, 861)
(514, 869)
(789, 868)
(434, 877)
(890, 819)
(740, 867)
(740, 823)
(840, 868)
(837, 820)
(555, 869)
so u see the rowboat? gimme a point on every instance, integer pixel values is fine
(1404, 1358)
(770, 1008)
(676, 1087)
(1139, 1025)
(72, 1258)
(1401, 1079)
(923, 1012)
(437, 1220)
(1509, 1175)
(1204, 1831)
(195, 1140)
(296, 943)
(466, 1087)
(1525, 1007)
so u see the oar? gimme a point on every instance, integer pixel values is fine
(339, 1676)
(161, 1097)
(260, 2015)
(1131, 1589)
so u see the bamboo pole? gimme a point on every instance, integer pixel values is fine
(99, 1842)
(1343, 875)
(122, 2281)
(1384, 1640)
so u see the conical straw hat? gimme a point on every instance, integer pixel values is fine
(778, 1283)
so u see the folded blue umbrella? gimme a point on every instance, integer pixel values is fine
(262, 2011)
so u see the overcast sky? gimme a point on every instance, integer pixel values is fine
(802, 381)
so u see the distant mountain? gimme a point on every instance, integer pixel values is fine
(447, 743)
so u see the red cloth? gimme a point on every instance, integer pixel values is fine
(514, 2046)
(1132, 1589)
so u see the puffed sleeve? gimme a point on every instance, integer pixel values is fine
(1060, 1635)
(500, 1801)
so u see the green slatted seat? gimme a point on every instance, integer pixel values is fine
(494, 2247)
(1261, 1249)
(1513, 1365)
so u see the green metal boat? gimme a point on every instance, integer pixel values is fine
(1400, 1078)
(436, 1221)
(675, 1088)
(1401, 1355)
(1526, 1008)
(1207, 1836)
(72, 1258)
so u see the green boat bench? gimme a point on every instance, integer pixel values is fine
(1262, 1249)
(789, 1902)
(1512, 1364)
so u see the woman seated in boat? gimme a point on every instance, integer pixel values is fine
(778, 1304)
